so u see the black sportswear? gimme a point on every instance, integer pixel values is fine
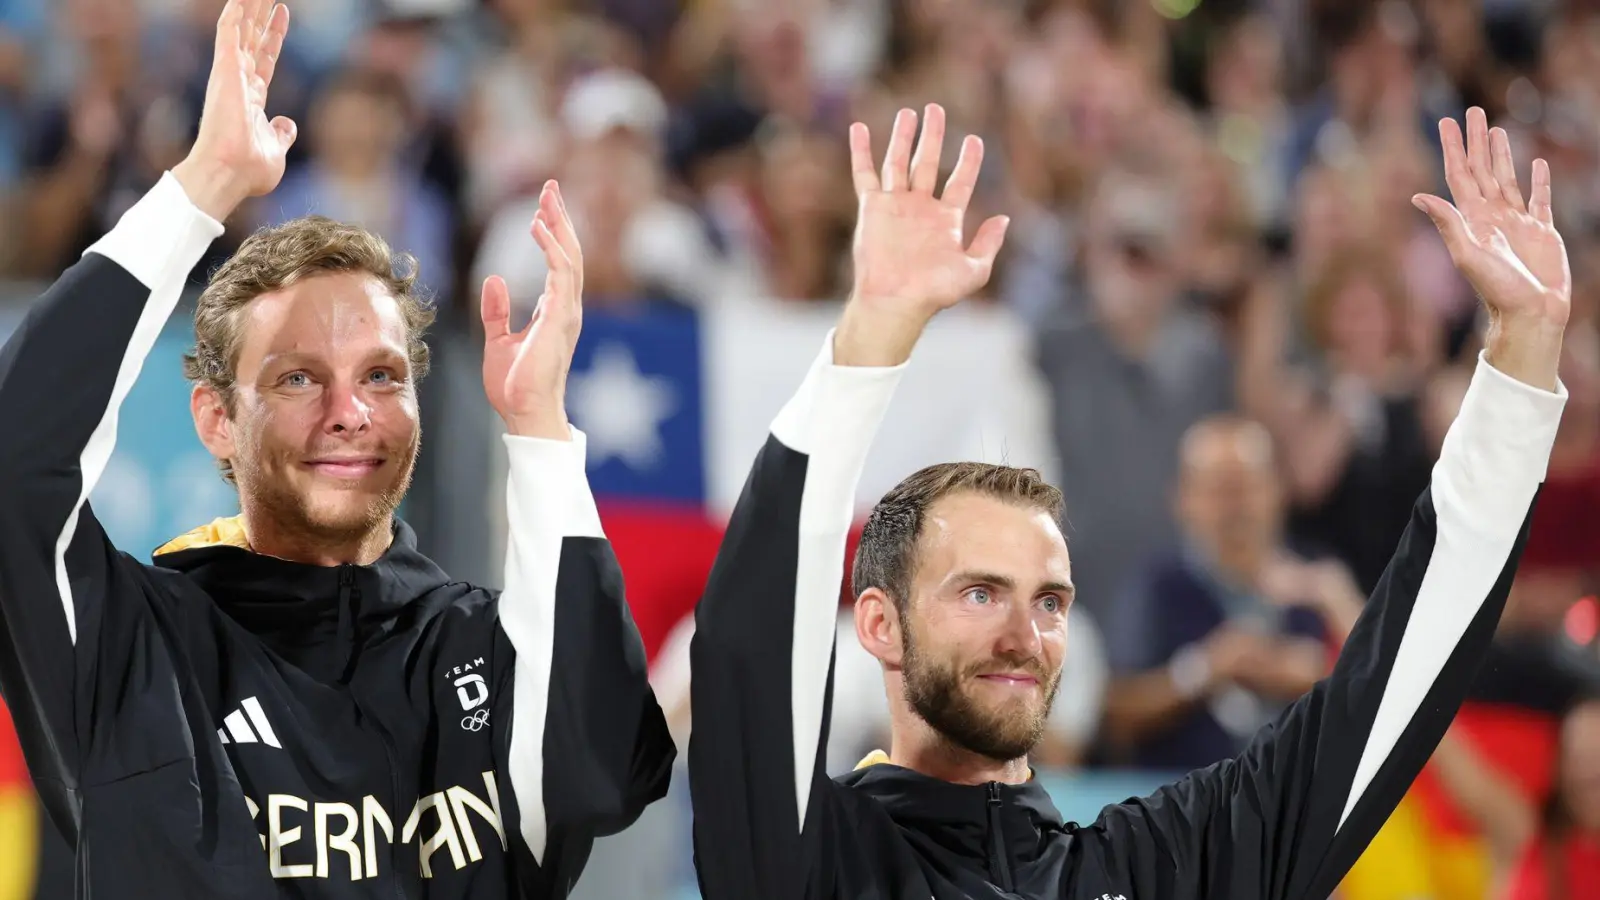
(1283, 821)
(227, 724)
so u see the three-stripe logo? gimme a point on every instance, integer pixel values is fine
(239, 728)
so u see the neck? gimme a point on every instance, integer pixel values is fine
(268, 537)
(916, 746)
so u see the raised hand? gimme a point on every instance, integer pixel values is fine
(238, 152)
(525, 371)
(911, 260)
(1508, 248)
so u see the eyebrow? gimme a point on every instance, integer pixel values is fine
(1008, 583)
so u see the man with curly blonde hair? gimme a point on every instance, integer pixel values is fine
(295, 701)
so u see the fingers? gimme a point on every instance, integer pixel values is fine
(1539, 196)
(1452, 227)
(560, 280)
(1505, 171)
(862, 171)
(925, 164)
(1456, 173)
(272, 44)
(554, 206)
(230, 33)
(255, 25)
(1478, 153)
(964, 179)
(264, 10)
(495, 308)
(987, 242)
(897, 160)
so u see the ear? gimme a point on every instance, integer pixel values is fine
(211, 421)
(878, 626)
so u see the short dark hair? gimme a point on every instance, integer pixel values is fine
(886, 556)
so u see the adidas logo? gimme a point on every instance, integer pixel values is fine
(240, 729)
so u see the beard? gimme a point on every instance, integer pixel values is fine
(325, 515)
(935, 689)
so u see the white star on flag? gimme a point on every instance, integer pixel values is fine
(620, 409)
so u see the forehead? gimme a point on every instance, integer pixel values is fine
(975, 532)
(323, 314)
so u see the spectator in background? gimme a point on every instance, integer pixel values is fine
(22, 23)
(1542, 848)
(511, 130)
(1225, 629)
(784, 216)
(1131, 366)
(1369, 47)
(1349, 424)
(639, 245)
(105, 128)
(410, 44)
(1249, 118)
(357, 173)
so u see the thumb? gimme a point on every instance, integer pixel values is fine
(286, 130)
(987, 242)
(495, 308)
(1452, 227)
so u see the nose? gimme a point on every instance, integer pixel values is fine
(1020, 636)
(347, 412)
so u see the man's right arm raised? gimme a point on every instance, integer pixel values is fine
(763, 644)
(63, 375)
(762, 652)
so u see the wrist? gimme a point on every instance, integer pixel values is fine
(213, 189)
(545, 426)
(870, 335)
(1527, 349)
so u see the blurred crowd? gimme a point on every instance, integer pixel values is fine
(1254, 343)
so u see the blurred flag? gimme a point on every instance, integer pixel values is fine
(677, 403)
(19, 851)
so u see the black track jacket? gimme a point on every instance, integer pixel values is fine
(1283, 821)
(226, 724)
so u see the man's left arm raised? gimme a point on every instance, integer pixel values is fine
(588, 746)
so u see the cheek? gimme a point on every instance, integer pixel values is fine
(273, 430)
(398, 418)
(1053, 640)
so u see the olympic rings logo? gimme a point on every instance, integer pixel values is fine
(477, 721)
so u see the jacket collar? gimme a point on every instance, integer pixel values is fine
(957, 816)
(317, 617)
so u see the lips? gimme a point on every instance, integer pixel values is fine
(354, 467)
(1011, 679)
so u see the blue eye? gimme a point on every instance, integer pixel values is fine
(980, 595)
(381, 376)
(297, 379)
(1052, 603)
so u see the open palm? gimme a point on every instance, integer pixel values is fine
(234, 129)
(525, 371)
(1509, 249)
(909, 246)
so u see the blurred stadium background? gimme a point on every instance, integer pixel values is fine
(1211, 226)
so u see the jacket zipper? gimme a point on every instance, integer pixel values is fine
(349, 597)
(999, 860)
